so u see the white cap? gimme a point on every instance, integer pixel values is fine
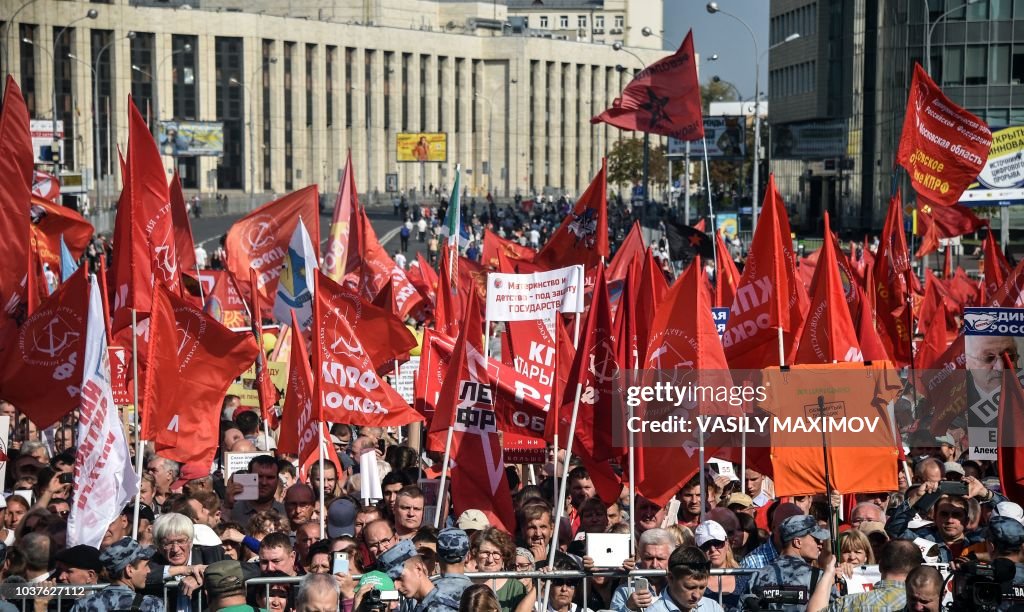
(709, 531)
(953, 466)
(1009, 510)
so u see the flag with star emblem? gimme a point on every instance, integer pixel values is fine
(685, 242)
(663, 99)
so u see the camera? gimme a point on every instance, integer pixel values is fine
(373, 603)
(979, 587)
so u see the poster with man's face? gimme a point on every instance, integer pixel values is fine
(989, 334)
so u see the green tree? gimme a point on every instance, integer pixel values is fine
(716, 91)
(626, 163)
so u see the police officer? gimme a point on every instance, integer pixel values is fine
(452, 548)
(412, 580)
(788, 582)
(127, 564)
(1005, 541)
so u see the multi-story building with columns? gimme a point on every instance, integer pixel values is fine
(296, 90)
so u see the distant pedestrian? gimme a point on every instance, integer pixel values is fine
(403, 235)
(400, 260)
(432, 249)
(421, 228)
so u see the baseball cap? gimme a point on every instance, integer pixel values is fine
(190, 472)
(1005, 533)
(954, 467)
(122, 552)
(1008, 509)
(740, 499)
(473, 519)
(870, 527)
(946, 439)
(709, 531)
(393, 559)
(798, 526)
(341, 518)
(82, 556)
(452, 545)
(224, 577)
(378, 580)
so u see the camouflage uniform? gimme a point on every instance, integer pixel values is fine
(120, 596)
(1007, 534)
(116, 597)
(441, 599)
(452, 547)
(789, 574)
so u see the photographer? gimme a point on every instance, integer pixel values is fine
(950, 513)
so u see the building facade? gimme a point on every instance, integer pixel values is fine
(296, 92)
(839, 92)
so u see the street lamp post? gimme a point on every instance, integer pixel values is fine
(90, 14)
(712, 7)
(6, 30)
(252, 127)
(490, 141)
(618, 46)
(931, 30)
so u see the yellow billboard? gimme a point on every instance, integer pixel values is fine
(422, 146)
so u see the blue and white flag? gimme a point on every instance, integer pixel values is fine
(68, 265)
(295, 286)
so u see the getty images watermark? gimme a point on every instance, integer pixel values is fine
(846, 405)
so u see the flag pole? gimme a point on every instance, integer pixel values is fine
(444, 476)
(718, 278)
(561, 488)
(138, 426)
(632, 469)
(202, 294)
(711, 205)
(322, 450)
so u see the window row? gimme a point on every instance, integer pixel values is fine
(802, 21)
(582, 22)
(962, 65)
(792, 80)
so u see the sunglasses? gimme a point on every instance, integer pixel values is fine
(712, 544)
(571, 583)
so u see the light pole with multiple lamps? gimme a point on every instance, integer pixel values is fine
(90, 14)
(252, 128)
(6, 69)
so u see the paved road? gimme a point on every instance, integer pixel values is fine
(208, 230)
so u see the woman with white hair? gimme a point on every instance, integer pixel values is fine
(178, 557)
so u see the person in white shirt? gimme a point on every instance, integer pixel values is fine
(200, 256)
(400, 260)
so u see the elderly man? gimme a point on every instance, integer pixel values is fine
(985, 362)
(379, 537)
(178, 557)
(78, 565)
(317, 593)
(653, 551)
(128, 567)
(866, 511)
(165, 473)
(535, 528)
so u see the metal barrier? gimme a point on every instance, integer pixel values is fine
(25, 594)
(538, 575)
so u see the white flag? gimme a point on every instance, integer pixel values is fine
(295, 286)
(104, 478)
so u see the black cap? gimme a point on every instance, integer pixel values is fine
(81, 557)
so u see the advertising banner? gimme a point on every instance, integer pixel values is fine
(1001, 181)
(529, 297)
(725, 138)
(190, 138)
(811, 140)
(422, 146)
(42, 139)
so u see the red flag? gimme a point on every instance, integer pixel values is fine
(370, 267)
(945, 221)
(632, 249)
(49, 222)
(997, 268)
(382, 334)
(684, 340)
(186, 344)
(828, 334)
(424, 278)
(146, 253)
(224, 302)
(593, 376)
(1011, 436)
(331, 456)
(663, 99)
(301, 414)
(337, 254)
(583, 236)
(892, 263)
(260, 239)
(947, 264)
(44, 360)
(936, 339)
(449, 304)
(727, 275)
(650, 294)
(943, 147)
(350, 390)
(627, 342)
(466, 404)
(494, 244)
(16, 159)
(769, 297)
(871, 346)
(434, 359)
(936, 305)
(46, 186)
(965, 289)
(183, 244)
(265, 389)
